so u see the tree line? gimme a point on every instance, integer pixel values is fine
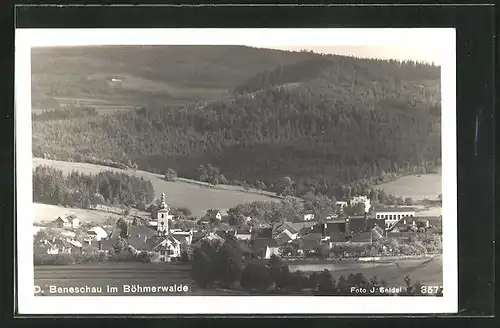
(51, 186)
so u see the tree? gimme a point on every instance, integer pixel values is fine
(170, 175)
(203, 266)
(120, 246)
(326, 283)
(260, 185)
(256, 277)
(408, 201)
(229, 262)
(285, 187)
(280, 271)
(123, 226)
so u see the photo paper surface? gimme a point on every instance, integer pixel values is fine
(211, 171)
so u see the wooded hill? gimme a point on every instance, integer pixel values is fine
(148, 74)
(344, 120)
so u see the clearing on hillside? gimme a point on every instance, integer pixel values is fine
(46, 212)
(198, 197)
(417, 187)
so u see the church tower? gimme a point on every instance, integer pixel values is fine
(162, 217)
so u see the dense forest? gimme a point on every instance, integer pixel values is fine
(51, 186)
(346, 122)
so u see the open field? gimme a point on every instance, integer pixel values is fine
(428, 272)
(193, 195)
(417, 187)
(45, 212)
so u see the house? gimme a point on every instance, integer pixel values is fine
(96, 233)
(361, 238)
(223, 234)
(266, 233)
(361, 199)
(339, 237)
(310, 243)
(392, 214)
(285, 227)
(362, 223)
(68, 234)
(44, 247)
(162, 248)
(265, 247)
(284, 237)
(340, 205)
(308, 216)
(401, 235)
(330, 216)
(67, 221)
(213, 214)
(243, 234)
(183, 236)
(328, 228)
(134, 231)
(54, 246)
(197, 236)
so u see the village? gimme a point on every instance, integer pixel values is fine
(155, 238)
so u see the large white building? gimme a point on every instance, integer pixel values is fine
(393, 214)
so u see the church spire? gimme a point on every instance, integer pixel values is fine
(163, 204)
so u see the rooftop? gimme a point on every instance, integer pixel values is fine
(394, 209)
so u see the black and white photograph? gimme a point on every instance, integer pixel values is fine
(184, 170)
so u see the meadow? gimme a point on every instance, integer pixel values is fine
(417, 187)
(45, 213)
(198, 197)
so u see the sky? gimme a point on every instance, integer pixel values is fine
(430, 53)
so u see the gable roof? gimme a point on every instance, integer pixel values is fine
(213, 212)
(361, 237)
(303, 224)
(224, 234)
(62, 218)
(266, 233)
(313, 236)
(339, 237)
(283, 237)
(197, 236)
(330, 227)
(243, 232)
(134, 231)
(280, 227)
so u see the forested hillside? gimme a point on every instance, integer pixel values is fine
(147, 74)
(345, 120)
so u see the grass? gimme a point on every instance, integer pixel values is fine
(193, 195)
(417, 187)
(45, 212)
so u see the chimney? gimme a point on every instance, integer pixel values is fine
(427, 223)
(347, 225)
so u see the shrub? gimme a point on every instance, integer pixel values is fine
(256, 277)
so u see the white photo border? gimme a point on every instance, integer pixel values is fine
(28, 304)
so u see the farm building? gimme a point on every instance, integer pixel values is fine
(393, 214)
(67, 221)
